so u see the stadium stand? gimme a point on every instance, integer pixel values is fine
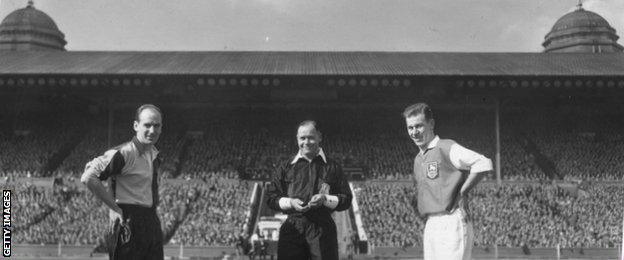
(512, 215)
(70, 215)
(210, 153)
(35, 139)
(227, 144)
(213, 220)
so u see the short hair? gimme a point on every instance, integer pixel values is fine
(310, 123)
(418, 108)
(144, 107)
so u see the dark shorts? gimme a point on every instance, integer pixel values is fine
(144, 239)
(304, 238)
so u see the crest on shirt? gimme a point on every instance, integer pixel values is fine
(433, 170)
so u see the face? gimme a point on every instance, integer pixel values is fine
(148, 127)
(308, 140)
(420, 130)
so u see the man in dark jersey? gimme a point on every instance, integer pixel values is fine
(308, 188)
(133, 194)
(443, 187)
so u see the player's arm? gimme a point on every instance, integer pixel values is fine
(99, 169)
(466, 159)
(340, 195)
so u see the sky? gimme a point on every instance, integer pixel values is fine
(312, 25)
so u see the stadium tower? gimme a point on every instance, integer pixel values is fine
(582, 31)
(29, 29)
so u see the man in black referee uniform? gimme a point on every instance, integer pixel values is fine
(133, 194)
(308, 188)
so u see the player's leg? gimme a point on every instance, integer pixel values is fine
(111, 241)
(468, 235)
(432, 228)
(448, 236)
(142, 237)
(458, 237)
(155, 248)
(322, 241)
(291, 243)
(129, 242)
(127, 251)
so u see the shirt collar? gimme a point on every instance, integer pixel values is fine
(143, 148)
(432, 144)
(299, 156)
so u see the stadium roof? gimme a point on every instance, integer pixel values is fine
(312, 63)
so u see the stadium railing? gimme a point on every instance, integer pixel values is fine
(362, 238)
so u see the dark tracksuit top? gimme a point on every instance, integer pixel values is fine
(309, 235)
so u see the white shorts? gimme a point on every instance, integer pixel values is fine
(448, 237)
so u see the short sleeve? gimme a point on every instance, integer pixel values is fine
(465, 159)
(109, 164)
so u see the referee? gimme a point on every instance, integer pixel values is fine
(133, 193)
(443, 187)
(308, 188)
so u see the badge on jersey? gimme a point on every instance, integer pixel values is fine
(432, 170)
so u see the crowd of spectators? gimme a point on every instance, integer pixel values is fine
(561, 140)
(589, 147)
(196, 212)
(74, 217)
(204, 202)
(517, 163)
(593, 218)
(217, 216)
(237, 140)
(388, 214)
(517, 215)
(32, 142)
(210, 211)
(371, 138)
(252, 141)
(94, 142)
(31, 203)
(511, 215)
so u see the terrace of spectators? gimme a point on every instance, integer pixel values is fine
(202, 171)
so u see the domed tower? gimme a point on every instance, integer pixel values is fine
(29, 29)
(581, 31)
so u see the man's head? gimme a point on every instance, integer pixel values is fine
(420, 124)
(308, 138)
(148, 124)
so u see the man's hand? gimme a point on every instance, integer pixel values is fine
(115, 214)
(462, 204)
(297, 205)
(317, 201)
